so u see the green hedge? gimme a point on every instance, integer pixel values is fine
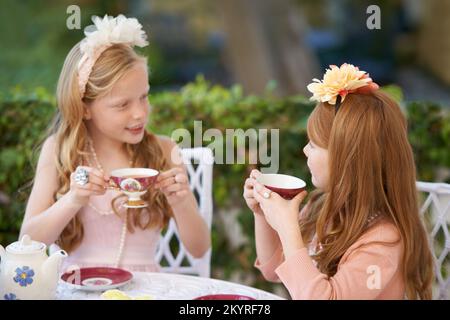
(24, 118)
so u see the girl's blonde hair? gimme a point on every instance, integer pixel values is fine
(70, 134)
(372, 170)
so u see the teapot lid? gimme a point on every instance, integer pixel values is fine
(25, 245)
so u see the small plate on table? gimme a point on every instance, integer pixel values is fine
(96, 278)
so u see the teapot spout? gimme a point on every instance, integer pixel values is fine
(50, 268)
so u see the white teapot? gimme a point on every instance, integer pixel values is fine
(26, 272)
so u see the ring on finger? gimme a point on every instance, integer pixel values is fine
(266, 195)
(178, 178)
(81, 176)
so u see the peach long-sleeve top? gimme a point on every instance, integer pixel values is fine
(369, 269)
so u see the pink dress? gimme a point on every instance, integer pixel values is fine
(102, 237)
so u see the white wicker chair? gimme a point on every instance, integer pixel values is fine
(435, 211)
(199, 163)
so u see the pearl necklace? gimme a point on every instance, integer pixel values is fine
(372, 217)
(100, 167)
(124, 226)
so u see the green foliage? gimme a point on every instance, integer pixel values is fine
(429, 133)
(221, 108)
(395, 92)
(22, 126)
(35, 40)
(24, 118)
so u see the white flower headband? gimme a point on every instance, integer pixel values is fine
(103, 34)
(338, 82)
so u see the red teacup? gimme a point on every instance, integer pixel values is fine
(134, 182)
(286, 186)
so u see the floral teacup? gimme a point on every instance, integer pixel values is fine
(134, 182)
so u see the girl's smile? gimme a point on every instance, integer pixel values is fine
(136, 130)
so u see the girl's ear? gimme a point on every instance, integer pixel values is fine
(87, 112)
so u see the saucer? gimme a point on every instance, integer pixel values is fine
(135, 206)
(97, 278)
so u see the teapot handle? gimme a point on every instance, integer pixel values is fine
(53, 248)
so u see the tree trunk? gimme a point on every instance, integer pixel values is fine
(265, 41)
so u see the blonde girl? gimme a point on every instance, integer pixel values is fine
(360, 235)
(100, 126)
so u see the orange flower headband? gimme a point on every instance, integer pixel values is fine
(103, 34)
(338, 82)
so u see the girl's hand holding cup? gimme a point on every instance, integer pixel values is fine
(248, 192)
(86, 182)
(174, 183)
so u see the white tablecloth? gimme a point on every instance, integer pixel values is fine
(168, 286)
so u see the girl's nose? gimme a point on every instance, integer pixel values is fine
(305, 150)
(139, 112)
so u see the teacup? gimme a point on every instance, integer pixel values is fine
(286, 186)
(134, 182)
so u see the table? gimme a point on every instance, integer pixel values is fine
(169, 286)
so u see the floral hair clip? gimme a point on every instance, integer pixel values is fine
(103, 34)
(338, 82)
